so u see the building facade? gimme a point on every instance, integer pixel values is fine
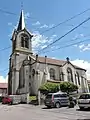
(3, 88)
(28, 71)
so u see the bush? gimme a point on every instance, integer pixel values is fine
(32, 98)
(49, 87)
(68, 87)
(54, 87)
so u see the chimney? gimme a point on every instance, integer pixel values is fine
(45, 59)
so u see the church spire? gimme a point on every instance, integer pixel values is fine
(21, 24)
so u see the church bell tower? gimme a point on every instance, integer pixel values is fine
(21, 47)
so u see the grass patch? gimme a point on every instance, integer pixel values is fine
(32, 98)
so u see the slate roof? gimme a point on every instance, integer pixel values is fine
(51, 61)
(21, 24)
(56, 62)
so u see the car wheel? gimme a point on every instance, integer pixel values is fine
(81, 108)
(57, 105)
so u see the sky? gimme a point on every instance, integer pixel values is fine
(41, 15)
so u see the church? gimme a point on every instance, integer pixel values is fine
(27, 71)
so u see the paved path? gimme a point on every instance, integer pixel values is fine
(29, 112)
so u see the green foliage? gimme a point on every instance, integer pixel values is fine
(54, 87)
(68, 87)
(32, 98)
(49, 87)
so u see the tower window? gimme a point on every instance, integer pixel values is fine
(24, 41)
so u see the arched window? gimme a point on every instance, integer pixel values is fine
(61, 76)
(69, 75)
(24, 41)
(52, 73)
(77, 78)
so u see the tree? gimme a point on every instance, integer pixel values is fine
(49, 88)
(68, 87)
(54, 87)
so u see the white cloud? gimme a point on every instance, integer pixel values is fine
(40, 41)
(75, 37)
(47, 26)
(44, 46)
(75, 45)
(3, 80)
(84, 47)
(44, 26)
(37, 23)
(81, 46)
(83, 64)
(78, 36)
(50, 26)
(27, 15)
(10, 24)
(82, 35)
(53, 36)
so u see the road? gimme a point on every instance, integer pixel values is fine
(30, 112)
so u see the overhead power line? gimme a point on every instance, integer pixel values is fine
(49, 51)
(3, 49)
(12, 13)
(69, 45)
(72, 40)
(13, 66)
(65, 34)
(5, 11)
(65, 21)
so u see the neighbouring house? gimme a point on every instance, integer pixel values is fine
(28, 71)
(3, 88)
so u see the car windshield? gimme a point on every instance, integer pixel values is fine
(85, 96)
(49, 96)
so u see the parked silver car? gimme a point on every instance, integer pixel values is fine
(56, 100)
(84, 101)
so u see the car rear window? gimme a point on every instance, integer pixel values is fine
(49, 96)
(85, 96)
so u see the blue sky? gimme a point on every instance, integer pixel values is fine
(40, 15)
